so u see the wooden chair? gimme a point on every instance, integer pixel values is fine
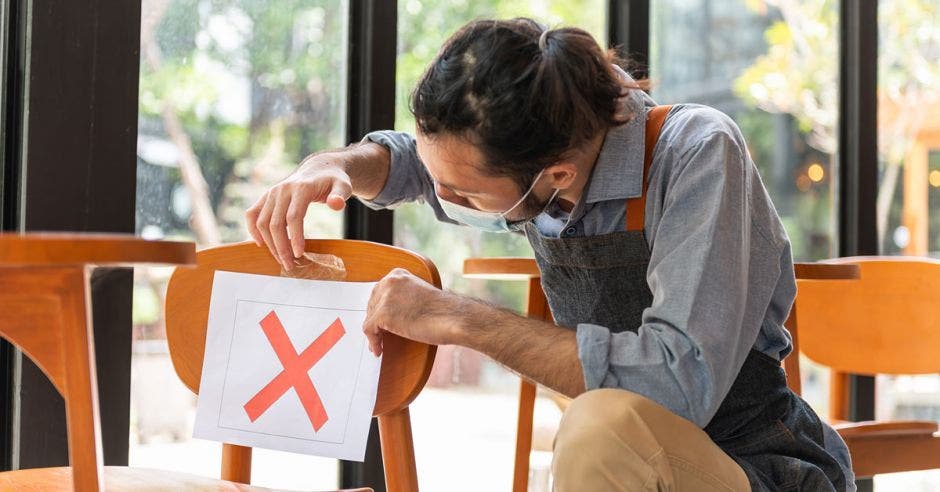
(406, 364)
(536, 307)
(45, 311)
(888, 322)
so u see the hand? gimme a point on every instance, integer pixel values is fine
(277, 218)
(406, 305)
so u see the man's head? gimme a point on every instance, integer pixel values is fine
(506, 99)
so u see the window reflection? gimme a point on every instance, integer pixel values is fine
(773, 67)
(233, 94)
(909, 185)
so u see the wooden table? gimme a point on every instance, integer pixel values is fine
(45, 311)
(537, 307)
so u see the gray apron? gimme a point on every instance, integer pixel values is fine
(767, 429)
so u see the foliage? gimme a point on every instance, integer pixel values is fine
(798, 73)
(259, 84)
(798, 76)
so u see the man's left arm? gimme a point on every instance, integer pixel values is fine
(411, 308)
(537, 350)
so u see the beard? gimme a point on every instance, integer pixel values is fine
(530, 207)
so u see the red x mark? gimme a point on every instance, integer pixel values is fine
(295, 370)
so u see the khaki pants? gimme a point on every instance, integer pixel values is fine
(616, 440)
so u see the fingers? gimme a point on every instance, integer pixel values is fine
(371, 327)
(263, 224)
(278, 228)
(295, 224)
(276, 219)
(373, 333)
(340, 192)
(251, 220)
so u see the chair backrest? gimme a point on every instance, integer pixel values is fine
(406, 364)
(883, 323)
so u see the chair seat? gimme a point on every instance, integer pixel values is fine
(119, 478)
(888, 447)
(894, 428)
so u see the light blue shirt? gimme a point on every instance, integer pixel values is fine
(720, 271)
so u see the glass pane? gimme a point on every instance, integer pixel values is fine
(908, 207)
(233, 94)
(909, 127)
(773, 67)
(469, 398)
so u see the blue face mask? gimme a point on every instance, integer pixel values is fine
(489, 221)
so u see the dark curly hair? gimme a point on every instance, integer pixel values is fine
(523, 94)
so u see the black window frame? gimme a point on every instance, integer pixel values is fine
(71, 69)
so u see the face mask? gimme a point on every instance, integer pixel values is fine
(489, 221)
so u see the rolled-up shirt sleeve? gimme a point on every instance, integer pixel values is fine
(408, 180)
(695, 336)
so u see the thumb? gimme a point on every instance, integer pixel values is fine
(340, 192)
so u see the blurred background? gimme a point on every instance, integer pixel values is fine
(234, 93)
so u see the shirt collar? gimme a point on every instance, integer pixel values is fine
(618, 171)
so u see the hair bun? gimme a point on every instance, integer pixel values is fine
(543, 39)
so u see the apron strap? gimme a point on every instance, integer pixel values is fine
(636, 207)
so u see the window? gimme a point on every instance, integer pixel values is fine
(909, 128)
(908, 206)
(469, 398)
(233, 94)
(773, 67)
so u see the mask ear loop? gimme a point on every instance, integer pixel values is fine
(524, 195)
(525, 227)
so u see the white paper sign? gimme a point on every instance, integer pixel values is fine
(287, 366)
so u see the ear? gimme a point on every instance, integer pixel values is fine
(561, 175)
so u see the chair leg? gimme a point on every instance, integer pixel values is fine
(81, 391)
(520, 472)
(398, 452)
(236, 463)
(791, 363)
(838, 395)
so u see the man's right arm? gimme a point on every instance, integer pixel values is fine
(408, 180)
(382, 171)
(405, 179)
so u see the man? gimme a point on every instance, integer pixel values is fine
(664, 262)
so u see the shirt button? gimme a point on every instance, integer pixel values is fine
(570, 231)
